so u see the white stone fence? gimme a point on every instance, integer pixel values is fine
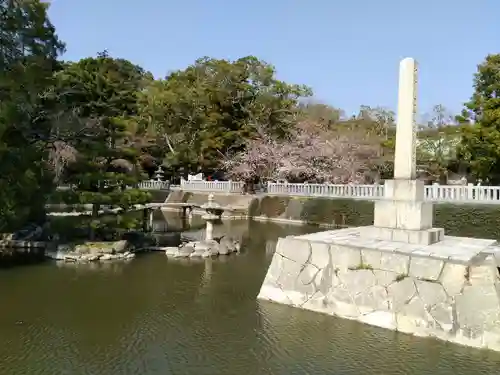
(214, 186)
(144, 185)
(326, 190)
(469, 192)
(435, 192)
(154, 185)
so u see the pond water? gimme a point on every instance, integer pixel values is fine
(157, 316)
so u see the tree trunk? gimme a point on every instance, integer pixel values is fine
(94, 218)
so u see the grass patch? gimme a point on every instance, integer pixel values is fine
(401, 277)
(361, 266)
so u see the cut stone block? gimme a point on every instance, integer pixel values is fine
(403, 214)
(404, 190)
(416, 237)
(445, 290)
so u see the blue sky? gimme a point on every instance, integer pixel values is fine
(347, 51)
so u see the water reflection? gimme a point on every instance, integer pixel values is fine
(348, 347)
(271, 247)
(156, 315)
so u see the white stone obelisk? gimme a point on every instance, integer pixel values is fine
(406, 126)
(405, 215)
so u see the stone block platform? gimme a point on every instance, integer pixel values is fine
(448, 290)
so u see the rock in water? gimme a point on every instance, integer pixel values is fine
(184, 252)
(120, 246)
(170, 250)
(223, 249)
(204, 248)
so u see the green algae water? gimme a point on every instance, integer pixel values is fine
(158, 316)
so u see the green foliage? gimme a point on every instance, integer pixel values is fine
(104, 91)
(71, 228)
(436, 149)
(480, 144)
(96, 123)
(27, 60)
(206, 112)
(326, 116)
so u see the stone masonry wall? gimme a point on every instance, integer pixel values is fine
(423, 296)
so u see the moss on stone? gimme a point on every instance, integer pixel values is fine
(361, 266)
(401, 277)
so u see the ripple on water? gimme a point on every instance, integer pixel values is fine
(155, 316)
(324, 344)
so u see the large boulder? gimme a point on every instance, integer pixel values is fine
(228, 245)
(82, 249)
(121, 246)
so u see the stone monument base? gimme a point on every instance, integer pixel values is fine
(414, 237)
(448, 290)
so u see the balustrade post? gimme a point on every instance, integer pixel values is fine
(470, 191)
(479, 191)
(435, 190)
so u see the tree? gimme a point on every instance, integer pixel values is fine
(437, 143)
(436, 154)
(480, 143)
(105, 170)
(327, 117)
(381, 120)
(29, 48)
(208, 110)
(310, 153)
(439, 117)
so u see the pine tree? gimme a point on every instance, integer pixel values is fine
(105, 170)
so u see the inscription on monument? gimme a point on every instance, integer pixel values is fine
(414, 119)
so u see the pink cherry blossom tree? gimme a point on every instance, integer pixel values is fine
(310, 153)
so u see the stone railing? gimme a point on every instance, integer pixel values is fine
(469, 192)
(435, 192)
(154, 185)
(326, 190)
(145, 185)
(215, 186)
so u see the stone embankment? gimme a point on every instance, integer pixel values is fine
(447, 290)
(24, 246)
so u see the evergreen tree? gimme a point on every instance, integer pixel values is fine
(29, 47)
(480, 145)
(105, 169)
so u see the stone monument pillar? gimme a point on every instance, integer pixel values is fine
(403, 215)
(399, 273)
